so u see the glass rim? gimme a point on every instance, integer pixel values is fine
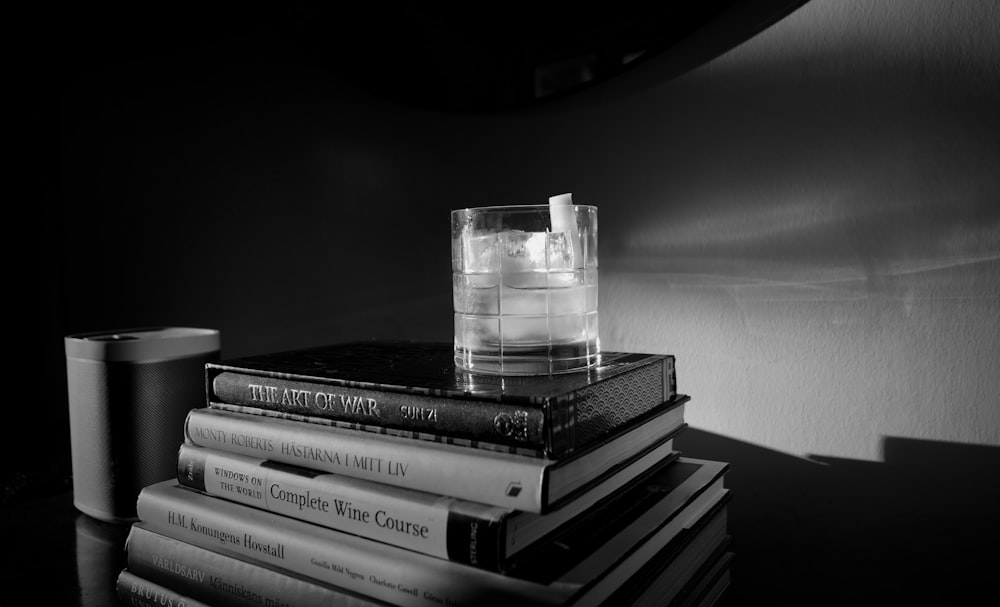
(519, 207)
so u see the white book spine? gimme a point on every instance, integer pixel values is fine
(501, 479)
(373, 569)
(219, 579)
(414, 520)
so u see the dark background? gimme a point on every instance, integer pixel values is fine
(807, 218)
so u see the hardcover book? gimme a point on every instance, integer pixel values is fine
(225, 580)
(685, 579)
(584, 564)
(710, 582)
(138, 592)
(467, 532)
(414, 389)
(188, 576)
(508, 480)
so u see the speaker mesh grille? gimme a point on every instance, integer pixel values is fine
(127, 424)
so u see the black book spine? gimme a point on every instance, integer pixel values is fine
(488, 421)
(140, 592)
(550, 426)
(476, 541)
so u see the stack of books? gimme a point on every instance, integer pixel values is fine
(377, 473)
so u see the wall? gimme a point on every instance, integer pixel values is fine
(810, 222)
(822, 237)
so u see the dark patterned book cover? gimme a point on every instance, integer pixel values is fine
(414, 389)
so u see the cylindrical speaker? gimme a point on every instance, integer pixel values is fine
(129, 392)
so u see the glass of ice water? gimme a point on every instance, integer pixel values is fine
(525, 288)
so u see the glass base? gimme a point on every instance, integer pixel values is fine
(527, 361)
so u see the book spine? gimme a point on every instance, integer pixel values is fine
(498, 479)
(411, 434)
(136, 591)
(465, 532)
(480, 420)
(160, 566)
(372, 569)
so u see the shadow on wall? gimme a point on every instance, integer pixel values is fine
(917, 527)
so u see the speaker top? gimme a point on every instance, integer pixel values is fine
(142, 344)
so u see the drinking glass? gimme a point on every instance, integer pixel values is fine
(525, 288)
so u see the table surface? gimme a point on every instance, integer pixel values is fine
(55, 555)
